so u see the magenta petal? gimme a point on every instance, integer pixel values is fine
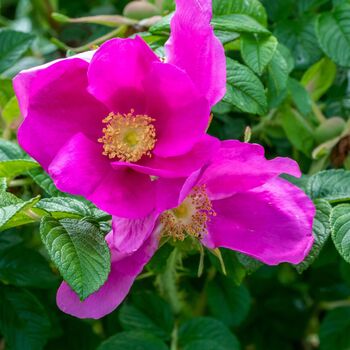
(272, 223)
(81, 169)
(172, 192)
(193, 47)
(173, 167)
(116, 73)
(56, 105)
(181, 114)
(124, 270)
(130, 234)
(238, 167)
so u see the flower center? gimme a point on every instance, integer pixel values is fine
(128, 137)
(190, 217)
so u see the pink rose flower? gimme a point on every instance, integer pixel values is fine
(238, 201)
(105, 123)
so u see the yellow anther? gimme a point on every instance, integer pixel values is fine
(128, 137)
(190, 217)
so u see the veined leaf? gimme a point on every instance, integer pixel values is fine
(299, 36)
(15, 212)
(332, 185)
(238, 23)
(244, 90)
(257, 52)
(252, 8)
(13, 45)
(333, 33)
(321, 232)
(340, 224)
(12, 168)
(80, 252)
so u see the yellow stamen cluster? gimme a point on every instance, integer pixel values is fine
(128, 137)
(189, 218)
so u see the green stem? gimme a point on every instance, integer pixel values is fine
(20, 182)
(174, 339)
(330, 305)
(120, 31)
(318, 113)
(168, 281)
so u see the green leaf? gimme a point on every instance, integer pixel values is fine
(238, 23)
(10, 151)
(321, 232)
(80, 252)
(11, 111)
(279, 10)
(206, 330)
(23, 320)
(228, 302)
(252, 8)
(333, 34)
(65, 207)
(15, 212)
(332, 185)
(340, 224)
(45, 182)
(300, 96)
(25, 267)
(335, 328)
(12, 168)
(244, 90)
(132, 341)
(162, 26)
(13, 45)
(250, 264)
(6, 91)
(297, 129)
(319, 78)
(278, 70)
(257, 52)
(299, 36)
(148, 313)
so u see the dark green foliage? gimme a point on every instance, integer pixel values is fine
(288, 81)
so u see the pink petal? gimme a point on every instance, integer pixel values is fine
(56, 105)
(124, 270)
(130, 234)
(180, 166)
(181, 114)
(272, 223)
(116, 73)
(193, 47)
(170, 193)
(238, 167)
(81, 169)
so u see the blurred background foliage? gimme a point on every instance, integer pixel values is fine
(288, 88)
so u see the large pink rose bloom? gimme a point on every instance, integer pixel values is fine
(237, 202)
(105, 123)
